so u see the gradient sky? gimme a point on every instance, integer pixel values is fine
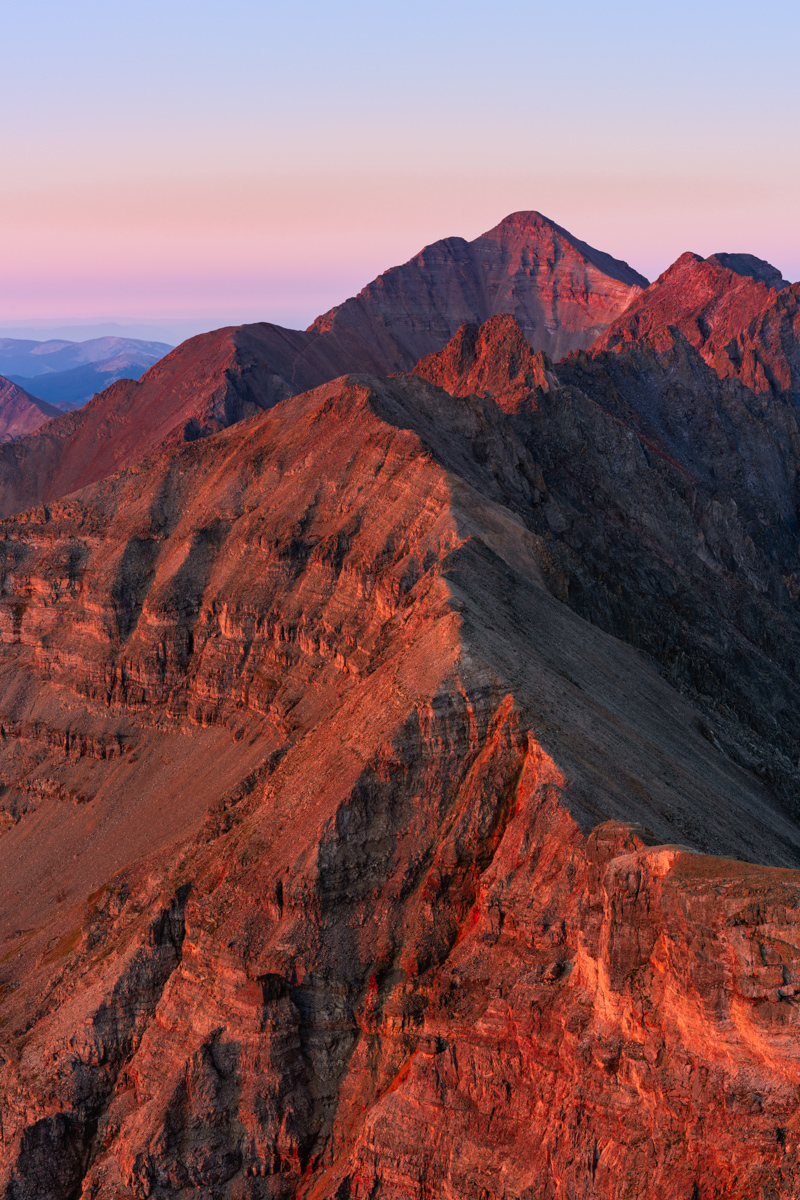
(210, 162)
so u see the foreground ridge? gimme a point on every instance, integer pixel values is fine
(345, 856)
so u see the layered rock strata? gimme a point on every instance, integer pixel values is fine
(406, 914)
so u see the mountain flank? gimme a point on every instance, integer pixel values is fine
(20, 412)
(670, 514)
(399, 776)
(335, 837)
(562, 291)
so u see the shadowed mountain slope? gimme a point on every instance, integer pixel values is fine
(20, 412)
(563, 291)
(340, 850)
(669, 505)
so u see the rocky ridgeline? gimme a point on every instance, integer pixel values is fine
(563, 292)
(734, 309)
(400, 787)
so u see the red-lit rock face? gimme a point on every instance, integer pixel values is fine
(615, 1023)
(562, 290)
(494, 361)
(326, 861)
(744, 325)
(21, 413)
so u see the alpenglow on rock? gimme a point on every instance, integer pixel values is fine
(562, 291)
(400, 793)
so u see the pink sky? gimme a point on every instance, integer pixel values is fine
(265, 167)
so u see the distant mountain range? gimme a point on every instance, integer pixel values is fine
(21, 413)
(66, 374)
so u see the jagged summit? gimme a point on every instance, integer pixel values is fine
(493, 360)
(562, 291)
(734, 309)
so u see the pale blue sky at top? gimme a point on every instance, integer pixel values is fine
(227, 161)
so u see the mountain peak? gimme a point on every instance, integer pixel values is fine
(562, 291)
(493, 361)
(735, 309)
(532, 225)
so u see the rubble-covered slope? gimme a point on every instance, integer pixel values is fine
(669, 507)
(403, 914)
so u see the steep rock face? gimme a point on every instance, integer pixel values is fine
(414, 945)
(563, 1058)
(21, 413)
(494, 360)
(735, 310)
(562, 292)
(669, 504)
